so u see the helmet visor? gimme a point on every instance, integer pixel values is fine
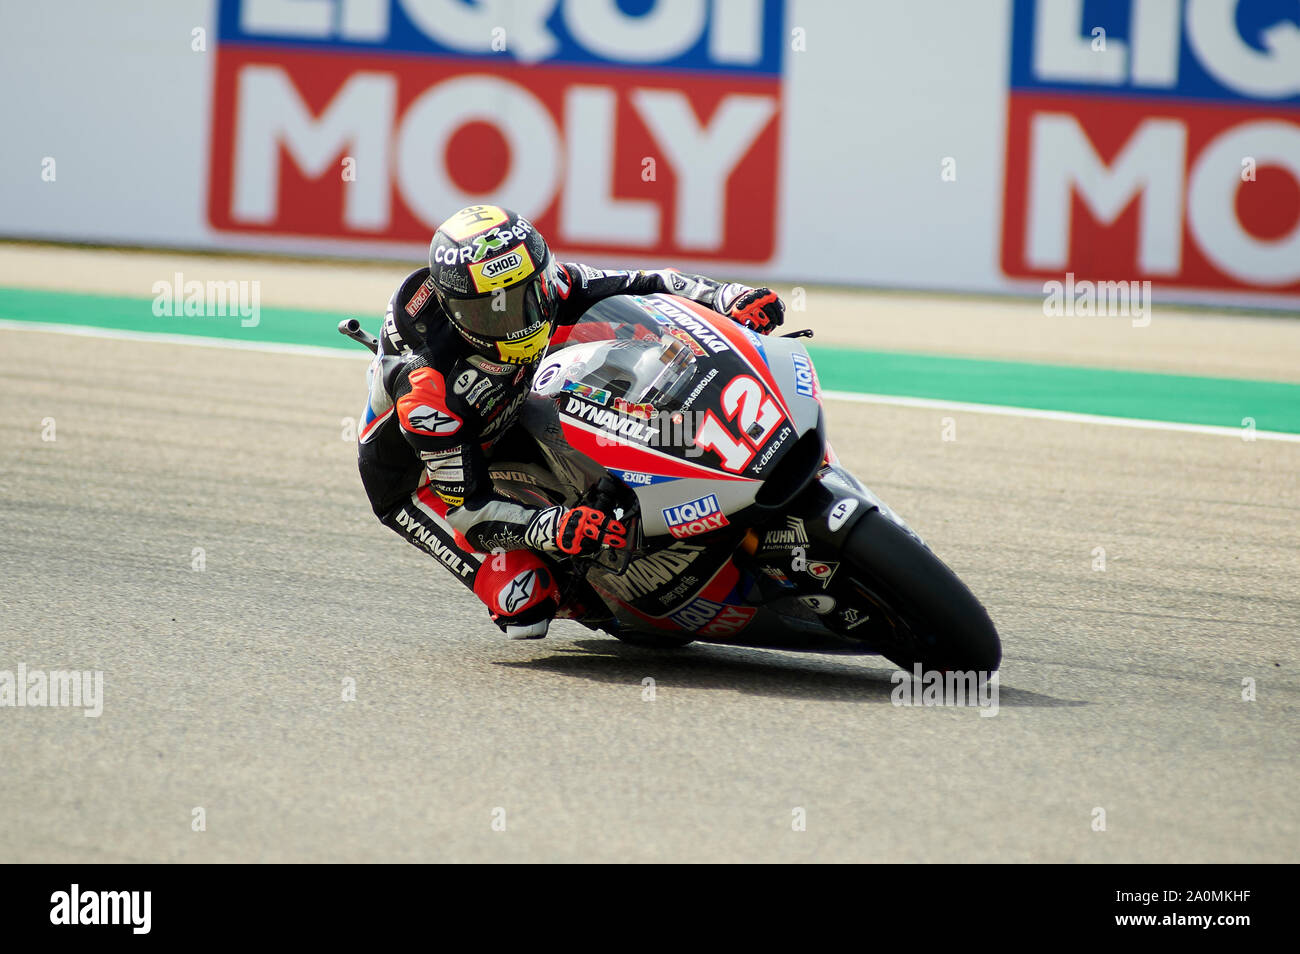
(514, 321)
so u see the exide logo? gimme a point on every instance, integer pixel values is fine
(1152, 139)
(365, 120)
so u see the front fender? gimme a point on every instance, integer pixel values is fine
(832, 505)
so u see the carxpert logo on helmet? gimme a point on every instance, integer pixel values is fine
(515, 265)
(476, 247)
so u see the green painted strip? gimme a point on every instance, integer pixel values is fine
(279, 325)
(1185, 399)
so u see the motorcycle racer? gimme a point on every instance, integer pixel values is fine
(460, 341)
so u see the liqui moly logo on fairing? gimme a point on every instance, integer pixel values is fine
(805, 382)
(695, 516)
(1155, 140)
(713, 619)
(651, 132)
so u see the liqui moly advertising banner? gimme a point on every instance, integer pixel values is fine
(957, 145)
(1155, 140)
(376, 119)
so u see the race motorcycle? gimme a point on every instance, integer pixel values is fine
(709, 443)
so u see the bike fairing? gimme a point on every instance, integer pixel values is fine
(721, 584)
(409, 398)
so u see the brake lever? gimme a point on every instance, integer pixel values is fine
(801, 333)
(606, 495)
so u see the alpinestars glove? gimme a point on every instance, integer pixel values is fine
(758, 309)
(577, 530)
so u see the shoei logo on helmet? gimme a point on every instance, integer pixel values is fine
(499, 266)
(472, 220)
(503, 270)
(526, 346)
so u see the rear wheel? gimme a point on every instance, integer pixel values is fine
(921, 612)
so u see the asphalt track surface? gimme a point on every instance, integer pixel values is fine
(1121, 688)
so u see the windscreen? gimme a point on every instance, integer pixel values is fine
(609, 358)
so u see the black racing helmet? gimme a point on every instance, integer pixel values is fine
(497, 281)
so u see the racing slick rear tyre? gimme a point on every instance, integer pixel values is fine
(931, 616)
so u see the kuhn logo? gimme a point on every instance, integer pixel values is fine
(695, 517)
(429, 105)
(1169, 151)
(793, 535)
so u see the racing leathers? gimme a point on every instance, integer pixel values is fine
(439, 414)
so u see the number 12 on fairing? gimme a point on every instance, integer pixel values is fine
(757, 415)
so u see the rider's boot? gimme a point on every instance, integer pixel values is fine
(520, 593)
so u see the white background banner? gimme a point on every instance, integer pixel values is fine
(967, 145)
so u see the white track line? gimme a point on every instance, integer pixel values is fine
(1071, 416)
(84, 331)
(853, 396)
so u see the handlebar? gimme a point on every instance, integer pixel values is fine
(352, 329)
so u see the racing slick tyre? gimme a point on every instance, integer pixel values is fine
(929, 615)
(651, 640)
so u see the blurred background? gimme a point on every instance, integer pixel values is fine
(957, 145)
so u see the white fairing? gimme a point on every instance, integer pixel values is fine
(676, 370)
(659, 501)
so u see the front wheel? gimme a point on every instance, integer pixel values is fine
(922, 613)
